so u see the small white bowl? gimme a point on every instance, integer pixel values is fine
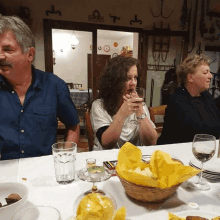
(7, 188)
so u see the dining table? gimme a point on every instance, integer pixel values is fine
(80, 97)
(38, 175)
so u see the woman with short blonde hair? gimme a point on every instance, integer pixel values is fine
(191, 109)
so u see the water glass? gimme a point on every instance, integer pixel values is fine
(64, 154)
(38, 213)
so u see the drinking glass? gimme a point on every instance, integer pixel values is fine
(138, 93)
(38, 213)
(90, 162)
(203, 148)
(64, 154)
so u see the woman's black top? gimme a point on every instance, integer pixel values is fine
(186, 116)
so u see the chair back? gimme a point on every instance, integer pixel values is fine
(158, 110)
(77, 85)
(70, 85)
(89, 130)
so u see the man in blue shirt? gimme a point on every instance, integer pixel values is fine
(30, 100)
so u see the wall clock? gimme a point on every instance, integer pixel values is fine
(114, 55)
(99, 48)
(106, 48)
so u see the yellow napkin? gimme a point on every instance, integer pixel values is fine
(174, 217)
(95, 206)
(162, 171)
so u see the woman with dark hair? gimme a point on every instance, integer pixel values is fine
(117, 105)
(191, 109)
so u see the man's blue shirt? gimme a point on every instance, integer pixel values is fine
(30, 129)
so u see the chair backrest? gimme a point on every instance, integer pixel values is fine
(76, 85)
(70, 85)
(89, 130)
(158, 110)
(152, 92)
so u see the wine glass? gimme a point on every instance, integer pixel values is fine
(138, 93)
(203, 148)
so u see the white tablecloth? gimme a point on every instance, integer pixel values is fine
(44, 190)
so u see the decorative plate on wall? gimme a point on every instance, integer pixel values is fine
(114, 55)
(115, 44)
(106, 48)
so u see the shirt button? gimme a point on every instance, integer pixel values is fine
(22, 110)
(13, 92)
(22, 131)
(22, 151)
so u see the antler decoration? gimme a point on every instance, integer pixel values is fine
(114, 18)
(135, 20)
(52, 11)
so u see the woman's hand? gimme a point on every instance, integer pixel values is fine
(131, 104)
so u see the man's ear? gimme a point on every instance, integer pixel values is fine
(190, 77)
(31, 54)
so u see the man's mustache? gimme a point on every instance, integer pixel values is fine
(6, 63)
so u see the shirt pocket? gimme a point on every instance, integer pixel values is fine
(44, 118)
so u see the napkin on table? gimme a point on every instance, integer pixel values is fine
(161, 172)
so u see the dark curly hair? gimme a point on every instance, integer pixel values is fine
(113, 80)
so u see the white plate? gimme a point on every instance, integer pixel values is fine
(203, 214)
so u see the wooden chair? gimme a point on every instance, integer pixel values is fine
(158, 110)
(70, 85)
(89, 130)
(61, 131)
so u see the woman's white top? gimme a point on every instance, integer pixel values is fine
(130, 131)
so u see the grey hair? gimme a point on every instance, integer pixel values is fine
(22, 32)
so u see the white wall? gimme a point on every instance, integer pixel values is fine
(72, 65)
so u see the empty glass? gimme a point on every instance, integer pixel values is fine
(64, 154)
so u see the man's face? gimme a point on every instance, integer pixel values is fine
(12, 59)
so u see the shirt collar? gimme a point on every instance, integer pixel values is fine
(37, 81)
(36, 84)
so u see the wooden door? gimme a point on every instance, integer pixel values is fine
(101, 62)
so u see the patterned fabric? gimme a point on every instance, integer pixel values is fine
(79, 97)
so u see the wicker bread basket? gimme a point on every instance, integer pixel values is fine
(146, 193)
